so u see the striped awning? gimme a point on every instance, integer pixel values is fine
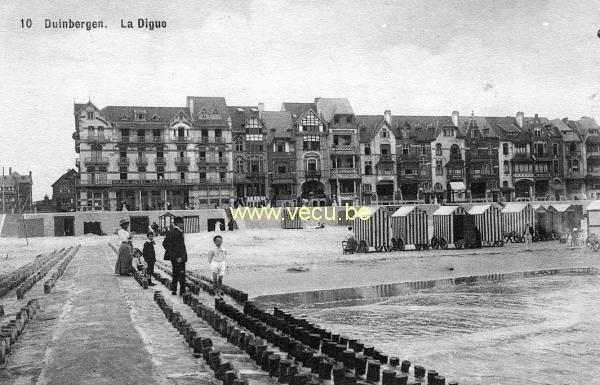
(457, 186)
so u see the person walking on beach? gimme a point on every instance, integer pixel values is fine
(216, 259)
(528, 234)
(123, 265)
(175, 251)
(149, 256)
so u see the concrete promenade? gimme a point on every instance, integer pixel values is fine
(98, 328)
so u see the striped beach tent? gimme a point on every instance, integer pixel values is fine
(375, 231)
(543, 221)
(410, 224)
(516, 215)
(564, 218)
(488, 221)
(290, 223)
(446, 225)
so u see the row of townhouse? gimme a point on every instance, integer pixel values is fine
(319, 153)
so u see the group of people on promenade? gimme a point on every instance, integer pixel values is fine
(130, 260)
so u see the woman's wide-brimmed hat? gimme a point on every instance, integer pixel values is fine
(123, 221)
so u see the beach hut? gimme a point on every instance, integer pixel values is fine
(564, 218)
(487, 219)
(291, 221)
(593, 220)
(375, 231)
(543, 222)
(410, 227)
(514, 218)
(449, 226)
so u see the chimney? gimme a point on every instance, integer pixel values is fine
(387, 115)
(455, 117)
(520, 119)
(261, 109)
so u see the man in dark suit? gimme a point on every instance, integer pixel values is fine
(175, 252)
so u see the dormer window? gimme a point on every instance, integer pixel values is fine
(537, 132)
(336, 119)
(385, 133)
(349, 119)
(203, 114)
(124, 117)
(447, 132)
(139, 116)
(90, 115)
(155, 117)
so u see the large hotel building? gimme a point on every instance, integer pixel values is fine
(207, 153)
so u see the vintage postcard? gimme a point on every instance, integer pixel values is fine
(299, 192)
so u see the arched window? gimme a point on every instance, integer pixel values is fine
(455, 151)
(385, 133)
(311, 164)
(438, 187)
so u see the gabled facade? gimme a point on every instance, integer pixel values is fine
(481, 160)
(448, 162)
(378, 159)
(311, 137)
(344, 148)
(573, 159)
(414, 135)
(64, 191)
(590, 132)
(281, 156)
(249, 155)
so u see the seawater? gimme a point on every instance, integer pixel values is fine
(538, 330)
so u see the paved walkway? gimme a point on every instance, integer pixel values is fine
(98, 328)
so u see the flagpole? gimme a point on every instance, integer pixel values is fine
(3, 204)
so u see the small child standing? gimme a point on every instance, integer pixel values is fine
(216, 259)
(149, 257)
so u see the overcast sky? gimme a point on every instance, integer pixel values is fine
(411, 56)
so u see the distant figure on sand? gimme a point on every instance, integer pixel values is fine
(123, 265)
(528, 234)
(216, 259)
(175, 252)
(350, 239)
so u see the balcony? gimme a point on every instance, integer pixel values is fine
(344, 149)
(518, 175)
(573, 154)
(256, 174)
(386, 158)
(160, 160)
(215, 181)
(182, 161)
(141, 161)
(312, 174)
(286, 175)
(574, 175)
(93, 180)
(183, 139)
(344, 172)
(96, 160)
(211, 140)
(100, 138)
(127, 138)
(123, 161)
(207, 161)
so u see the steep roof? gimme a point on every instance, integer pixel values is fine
(71, 173)
(482, 123)
(369, 126)
(420, 128)
(239, 115)
(152, 114)
(587, 123)
(278, 124)
(12, 179)
(297, 109)
(196, 103)
(327, 108)
(568, 134)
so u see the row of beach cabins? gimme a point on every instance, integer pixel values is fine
(458, 226)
